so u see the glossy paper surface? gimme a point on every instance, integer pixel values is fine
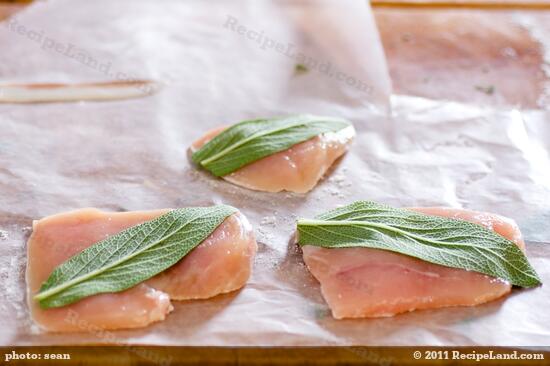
(132, 155)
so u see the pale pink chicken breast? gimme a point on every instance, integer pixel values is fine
(363, 282)
(472, 56)
(220, 264)
(231, 247)
(297, 169)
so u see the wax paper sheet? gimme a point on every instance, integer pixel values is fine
(131, 155)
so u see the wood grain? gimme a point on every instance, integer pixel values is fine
(165, 356)
(464, 4)
(7, 9)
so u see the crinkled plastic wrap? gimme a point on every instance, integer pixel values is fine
(131, 155)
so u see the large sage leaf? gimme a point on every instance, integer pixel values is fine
(248, 141)
(448, 242)
(131, 256)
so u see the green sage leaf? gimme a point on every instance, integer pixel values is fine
(131, 256)
(448, 242)
(248, 141)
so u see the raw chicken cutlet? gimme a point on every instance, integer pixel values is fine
(297, 169)
(221, 263)
(365, 282)
(480, 57)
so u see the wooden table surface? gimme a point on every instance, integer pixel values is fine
(165, 356)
